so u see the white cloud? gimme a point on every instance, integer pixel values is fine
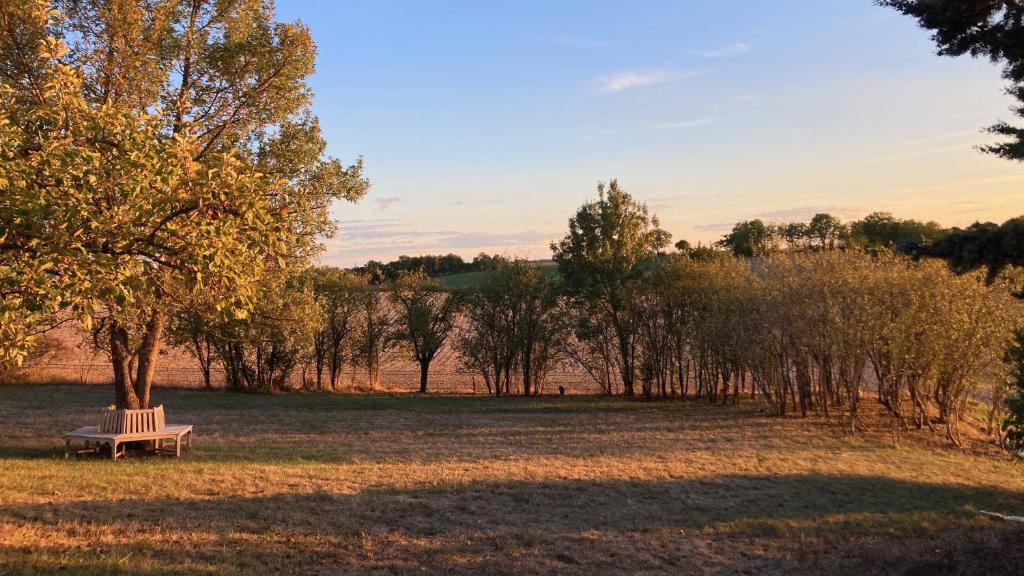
(635, 78)
(731, 50)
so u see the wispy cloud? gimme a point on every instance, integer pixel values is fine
(387, 202)
(663, 202)
(627, 79)
(802, 213)
(687, 123)
(723, 226)
(997, 179)
(919, 153)
(360, 240)
(943, 137)
(730, 50)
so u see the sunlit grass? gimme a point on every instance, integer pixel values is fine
(391, 484)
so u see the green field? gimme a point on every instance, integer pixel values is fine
(471, 279)
(332, 484)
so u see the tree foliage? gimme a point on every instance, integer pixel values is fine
(1013, 425)
(988, 246)
(751, 238)
(512, 324)
(378, 331)
(601, 259)
(431, 265)
(427, 314)
(338, 294)
(802, 330)
(154, 150)
(883, 230)
(826, 232)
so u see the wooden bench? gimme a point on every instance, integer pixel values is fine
(120, 426)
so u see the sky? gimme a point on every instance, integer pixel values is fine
(484, 124)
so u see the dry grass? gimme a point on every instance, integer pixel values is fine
(326, 484)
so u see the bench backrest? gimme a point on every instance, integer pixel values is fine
(132, 421)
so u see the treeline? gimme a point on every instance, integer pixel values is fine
(817, 332)
(826, 232)
(311, 324)
(810, 326)
(988, 246)
(431, 265)
(315, 322)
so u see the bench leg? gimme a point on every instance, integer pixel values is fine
(188, 442)
(177, 446)
(113, 450)
(67, 447)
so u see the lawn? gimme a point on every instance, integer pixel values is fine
(331, 484)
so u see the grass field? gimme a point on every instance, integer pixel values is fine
(471, 279)
(330, 484)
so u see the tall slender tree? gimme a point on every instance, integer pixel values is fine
(600, 260)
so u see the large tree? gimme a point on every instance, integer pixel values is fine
(427, 315)
(600, 261)
(883, 230)
(751, 238)
(154, 150)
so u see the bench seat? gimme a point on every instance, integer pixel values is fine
(89, 434)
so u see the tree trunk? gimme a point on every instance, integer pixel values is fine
(120, 359)
(336, 365)
(207, 361)
(147, 357)
(527, 369)
(373, 373)
(627, 367)
(424, 368)
(318, 367)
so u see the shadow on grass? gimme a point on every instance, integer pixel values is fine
(338, 428)
(29, 398)
(580, 527)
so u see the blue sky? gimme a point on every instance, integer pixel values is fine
(484, 124)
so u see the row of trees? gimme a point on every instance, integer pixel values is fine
(826, 232)
(318, 321)
(430, 265)
(815, 332)
(807, 331)
(508, 330)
